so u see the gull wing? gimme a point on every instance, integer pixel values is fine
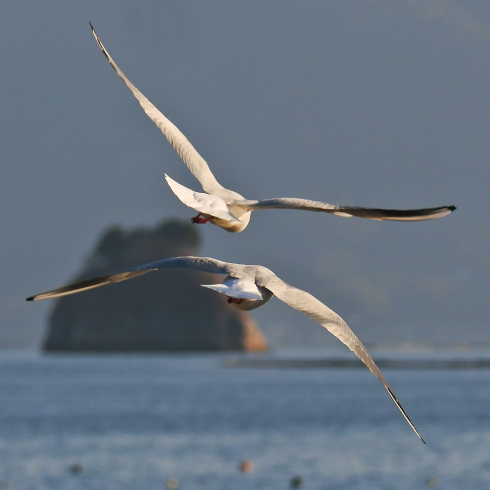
(197, 165)
(317, 311)
(347, 211)
(197, 263)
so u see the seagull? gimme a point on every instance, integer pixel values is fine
(227, 208)
(247, 287)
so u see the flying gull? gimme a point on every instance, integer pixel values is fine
(247, 287)
(227, 208)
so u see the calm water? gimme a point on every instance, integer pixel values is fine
(132, 422)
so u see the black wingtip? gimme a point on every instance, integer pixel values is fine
(91, 26)
(423, 441)
(452, 208)
(31, 298)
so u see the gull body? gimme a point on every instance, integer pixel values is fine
(230, 210)
(247, 287)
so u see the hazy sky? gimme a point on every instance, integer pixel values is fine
(358, 102)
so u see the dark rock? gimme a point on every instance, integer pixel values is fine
(164, 310)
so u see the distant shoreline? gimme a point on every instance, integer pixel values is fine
(407, 364)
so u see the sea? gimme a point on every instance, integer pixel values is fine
(232, 421)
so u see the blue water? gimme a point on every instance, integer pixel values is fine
(133, 422)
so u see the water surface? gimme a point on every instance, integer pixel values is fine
(134, 421)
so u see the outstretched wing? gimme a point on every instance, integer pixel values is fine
(317, 311)
(347, 211)
(197, 165)
(197, 263)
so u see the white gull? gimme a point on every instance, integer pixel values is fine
(247, 287)
(230, 210)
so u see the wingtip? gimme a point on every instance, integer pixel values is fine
(452, 208)
(30, 298)
(398, 404)
(91, 26)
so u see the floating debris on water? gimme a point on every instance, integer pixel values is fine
(433, 482)
(246, 466)
(296, 482)
(172, 483)
(75, 468)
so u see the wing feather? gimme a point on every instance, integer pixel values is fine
(348, 211)
(197, 165)
(197, 263)
(320, 313)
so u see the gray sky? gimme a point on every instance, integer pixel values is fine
(360, 102)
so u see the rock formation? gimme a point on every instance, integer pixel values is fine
(165, 310)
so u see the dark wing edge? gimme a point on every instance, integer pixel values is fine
(197, 263)
(78, 287)
(397, 214)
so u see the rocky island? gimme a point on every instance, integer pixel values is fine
(166, 310)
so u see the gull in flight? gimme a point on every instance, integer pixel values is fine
(227, 208)
(247, 287)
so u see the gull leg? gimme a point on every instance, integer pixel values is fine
(199, 220)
